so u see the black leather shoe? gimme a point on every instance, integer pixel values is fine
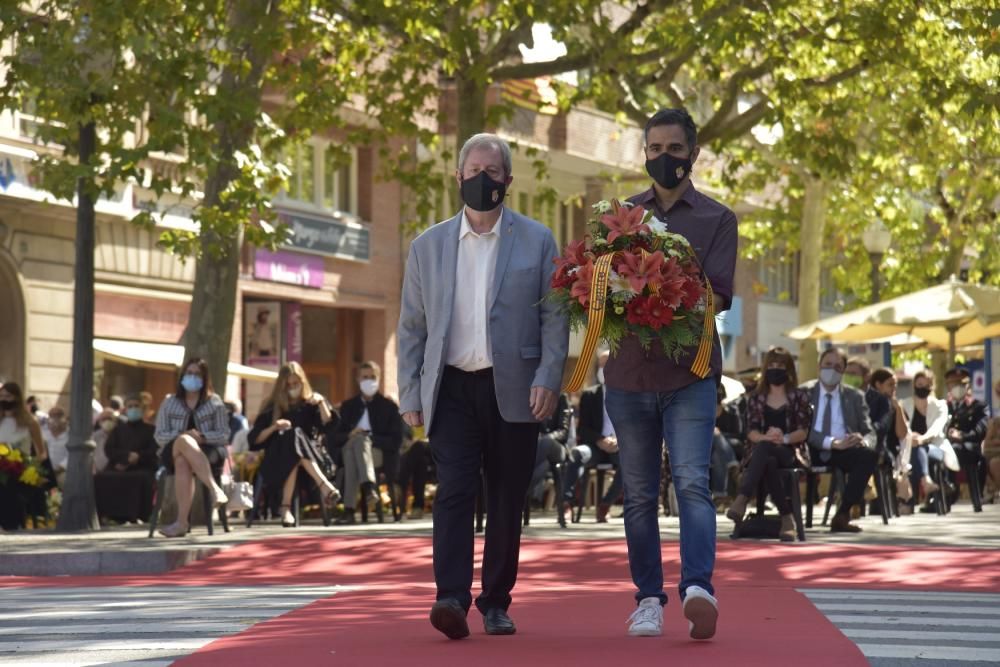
(497, 622)
(448, 617)
(346, 520)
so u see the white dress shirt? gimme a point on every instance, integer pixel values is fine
(365, 423)
(838, 429)
(469, 345)
(607, 429)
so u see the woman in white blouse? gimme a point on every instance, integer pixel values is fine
(927, 417)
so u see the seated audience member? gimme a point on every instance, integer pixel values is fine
(967, 425)
(596, 444)
(858, 375)
(778, 420)
(237, 422)
(191, 431)
(552, 436)
(55, 432)
(724, 458)
(927, 420)
(124, 489)
(288, 429)
(991, 448)
(897, 446)
(148, 409)
(414, 465)
(369, 421)
(841, 435)
(107, 420)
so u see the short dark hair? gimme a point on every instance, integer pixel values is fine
(678, 116)
(880, 375)
(961, 373)
(834, 350)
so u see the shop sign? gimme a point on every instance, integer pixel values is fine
(326, 235)
(288, 267)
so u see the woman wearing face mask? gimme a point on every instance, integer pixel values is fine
(288, 429)
(883, 381)
(18, 430)
(105, 425)
(124, 489)
(192, 428)
(927, 418)
(778, 419)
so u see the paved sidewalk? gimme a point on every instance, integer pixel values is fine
(127, 550)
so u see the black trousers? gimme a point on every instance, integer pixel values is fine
(857, 463)
(766, 459)
(470, 437)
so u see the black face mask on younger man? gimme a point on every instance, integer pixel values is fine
(482, 193)
(8, 405)
(668, 171)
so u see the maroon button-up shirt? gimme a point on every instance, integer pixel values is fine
(710, 227)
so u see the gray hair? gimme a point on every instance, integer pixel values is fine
(486, 140)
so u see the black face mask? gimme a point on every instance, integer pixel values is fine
(482, 193)
(776, 376)
(668, 170)
(921, 392)
(8, 405)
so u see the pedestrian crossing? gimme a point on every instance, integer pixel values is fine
(894, 627)
(134, 625)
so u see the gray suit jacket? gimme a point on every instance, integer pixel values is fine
(530, 337)
(855, 411)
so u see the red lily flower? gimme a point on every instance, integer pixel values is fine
(641, 271)
(625, 221)
(691, 293)
(581, 284)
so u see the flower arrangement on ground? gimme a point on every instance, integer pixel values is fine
(632, 276)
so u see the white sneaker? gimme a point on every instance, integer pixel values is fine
(647, 619)
(702, 611)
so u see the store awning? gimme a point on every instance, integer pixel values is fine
(164, 357)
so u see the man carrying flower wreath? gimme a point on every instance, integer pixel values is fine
(653, 396)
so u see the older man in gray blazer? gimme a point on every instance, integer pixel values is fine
(842, 435)
(481, 358)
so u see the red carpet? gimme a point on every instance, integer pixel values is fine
(571, 602)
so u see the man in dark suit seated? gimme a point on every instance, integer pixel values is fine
(370, 432)
(842, 435)
(596, 443)
(967, 426)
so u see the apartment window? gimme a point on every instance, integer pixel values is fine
(322, 177)
(777, 274)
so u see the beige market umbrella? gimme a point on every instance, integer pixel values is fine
(954, 314)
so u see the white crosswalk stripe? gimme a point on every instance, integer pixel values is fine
(122, 625)
(903, 627)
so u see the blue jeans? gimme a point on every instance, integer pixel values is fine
(686, 420)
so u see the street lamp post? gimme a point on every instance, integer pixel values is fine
(877, 239)
(79, 508)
